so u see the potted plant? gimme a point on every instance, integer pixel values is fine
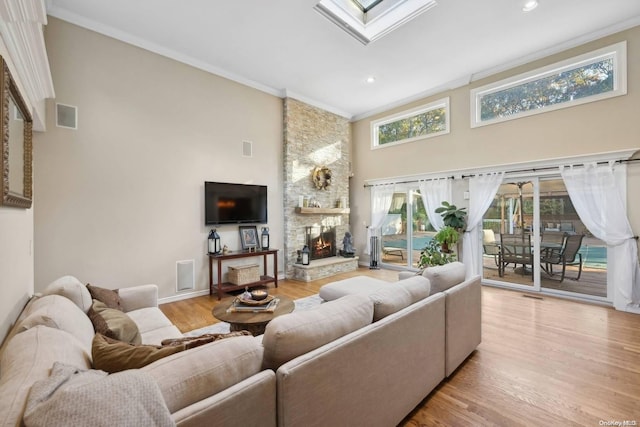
(452, 216)
(432, 255)
(447, 236)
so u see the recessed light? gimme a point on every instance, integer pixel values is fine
(371, 79)
(529, 6)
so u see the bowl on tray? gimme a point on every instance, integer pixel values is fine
(259, 294)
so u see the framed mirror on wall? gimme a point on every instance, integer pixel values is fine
(17, 147)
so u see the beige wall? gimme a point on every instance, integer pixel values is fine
(16, 254)
(608, 125)
(120, 200)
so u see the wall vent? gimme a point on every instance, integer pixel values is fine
(66, 116)
(247, 149)
(185, 275)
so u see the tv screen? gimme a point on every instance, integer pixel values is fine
(226, 203)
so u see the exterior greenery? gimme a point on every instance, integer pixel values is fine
(429, 122)
(558, 88)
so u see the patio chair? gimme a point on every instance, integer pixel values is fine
(515, 249)
(565, 255)
(489, 245)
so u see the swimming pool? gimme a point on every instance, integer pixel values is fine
(592, 256)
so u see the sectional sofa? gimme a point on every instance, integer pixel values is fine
(367, 358)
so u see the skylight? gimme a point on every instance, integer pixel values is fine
(368, 20)
(367, 5)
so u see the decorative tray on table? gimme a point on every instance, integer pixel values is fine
(251, 301)
(267, 305)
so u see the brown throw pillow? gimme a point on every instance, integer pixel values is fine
(191, 342)
(108, 296)
(112, 356)
(113, 323)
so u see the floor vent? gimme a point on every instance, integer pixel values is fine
(532, 296)
(185, 275)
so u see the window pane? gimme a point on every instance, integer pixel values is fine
(569, 85)
(433, 121)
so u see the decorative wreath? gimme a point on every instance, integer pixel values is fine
(321, 177)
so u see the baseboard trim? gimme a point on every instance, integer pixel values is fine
(184, 295)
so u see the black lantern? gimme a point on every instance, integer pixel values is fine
(265, 238)
(214, 242)
(305, 255)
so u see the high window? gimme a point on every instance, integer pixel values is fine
(423, 122)
(591, 77)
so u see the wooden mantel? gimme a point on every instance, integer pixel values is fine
(322, 211)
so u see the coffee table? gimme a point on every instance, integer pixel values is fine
(255, 323)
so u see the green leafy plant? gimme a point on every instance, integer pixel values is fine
(452, 216)
(447, 236)
(432, 255)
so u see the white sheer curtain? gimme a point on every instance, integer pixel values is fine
(433, 193)
(482, 190)
(381, 196)
(597, 195)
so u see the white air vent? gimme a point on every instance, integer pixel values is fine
(185, 275)
(66, 116)
(247, 148)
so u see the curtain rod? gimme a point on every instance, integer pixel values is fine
(547, 168)
(410, 181)
(511, 171)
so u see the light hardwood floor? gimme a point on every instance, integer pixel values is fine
(543, 361)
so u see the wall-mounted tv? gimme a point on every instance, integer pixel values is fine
(226, 203)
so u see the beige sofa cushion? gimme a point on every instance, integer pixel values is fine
(28, 358)
(398, 296)
(353, 285)
(58, 312)
(71, 288)
(442, 277)
(289, 336)
(192, 375)
(418, 287)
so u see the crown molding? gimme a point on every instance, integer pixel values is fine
(21, 28)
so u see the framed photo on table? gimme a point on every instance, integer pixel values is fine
(248, 237)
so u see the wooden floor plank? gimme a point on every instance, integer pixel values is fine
(542, 362)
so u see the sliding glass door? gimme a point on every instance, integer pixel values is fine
(533, 239)
(510, 239)
(406, 229)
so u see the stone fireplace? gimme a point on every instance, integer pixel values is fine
(315, 138)
(321, 241)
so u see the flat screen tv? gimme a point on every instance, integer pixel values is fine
(226, 203)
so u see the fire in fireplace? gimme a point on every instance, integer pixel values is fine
(321, 241)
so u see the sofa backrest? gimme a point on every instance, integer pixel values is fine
(399, 295)
(55, 311)
(442, 277)
(291, 335)
(375, 375)
(71, 288)
(28, 358)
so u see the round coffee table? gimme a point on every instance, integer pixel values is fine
(255, 323)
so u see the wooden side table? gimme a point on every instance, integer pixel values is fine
(226, 286)
(250, 321)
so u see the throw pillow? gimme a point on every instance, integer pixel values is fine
(111, 356)
(191, 342)
(108, 296)
(113, 323)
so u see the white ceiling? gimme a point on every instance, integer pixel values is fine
(285, 48)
